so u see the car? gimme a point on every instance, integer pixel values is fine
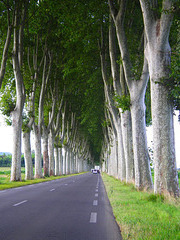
(94, 171)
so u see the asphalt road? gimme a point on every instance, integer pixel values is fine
(73, 208)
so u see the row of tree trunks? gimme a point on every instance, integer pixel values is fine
(158, 54)
(66, 163)
(157, 66)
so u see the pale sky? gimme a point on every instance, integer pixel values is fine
(6, 137)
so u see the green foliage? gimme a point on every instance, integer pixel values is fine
(7, 103)
(123, 102)
(5, 160)
(106, 123)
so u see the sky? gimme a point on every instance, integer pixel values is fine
(6, 137)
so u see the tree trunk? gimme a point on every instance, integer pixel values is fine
(65, 161)
(126, 125)
(61, 162)
(56, 159)
(20, 95)
(68, 161)
(165, 171)
(45, 153)
(51, 153)
(16, 152)
(76, 165)
(143, 178)
(27, 156)
(115, 157)
(5, 53)
(38, 160)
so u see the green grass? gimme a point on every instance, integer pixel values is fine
(143, 215)
(5, 183)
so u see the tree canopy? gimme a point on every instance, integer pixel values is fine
(77, 73)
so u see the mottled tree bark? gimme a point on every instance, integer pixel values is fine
(27, 156)
(51, 153)
(56, 161)
(37, 146)
(45, 152)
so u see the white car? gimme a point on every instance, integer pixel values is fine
(94, 171)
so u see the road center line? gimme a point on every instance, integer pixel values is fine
(52, 189)
(96, 190)
(95, 202)
(93, 217)
(17, 204)
(96, 194)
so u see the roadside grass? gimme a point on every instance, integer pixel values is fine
(5, 183)
(142, 215)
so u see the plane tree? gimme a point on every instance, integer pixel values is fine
(158, 17)
(137, 87)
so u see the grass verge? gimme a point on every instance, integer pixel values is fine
(5, 183)
(143, 215)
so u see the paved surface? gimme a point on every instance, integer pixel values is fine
(73, 208)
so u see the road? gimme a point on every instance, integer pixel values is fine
(72, 208)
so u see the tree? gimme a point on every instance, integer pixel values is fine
(118, 163)
(20, 16)
(122, 102)
(137, 90)
(157, 26)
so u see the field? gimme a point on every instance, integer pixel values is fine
(143, 215)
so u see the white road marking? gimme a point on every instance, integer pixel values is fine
(96, 194)
(52, 189)
(17, 188)
(93, 217)
(95, 202)
(17, 204)
(96, 190)
(65, 184)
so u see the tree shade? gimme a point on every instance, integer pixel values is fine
(62, 56)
